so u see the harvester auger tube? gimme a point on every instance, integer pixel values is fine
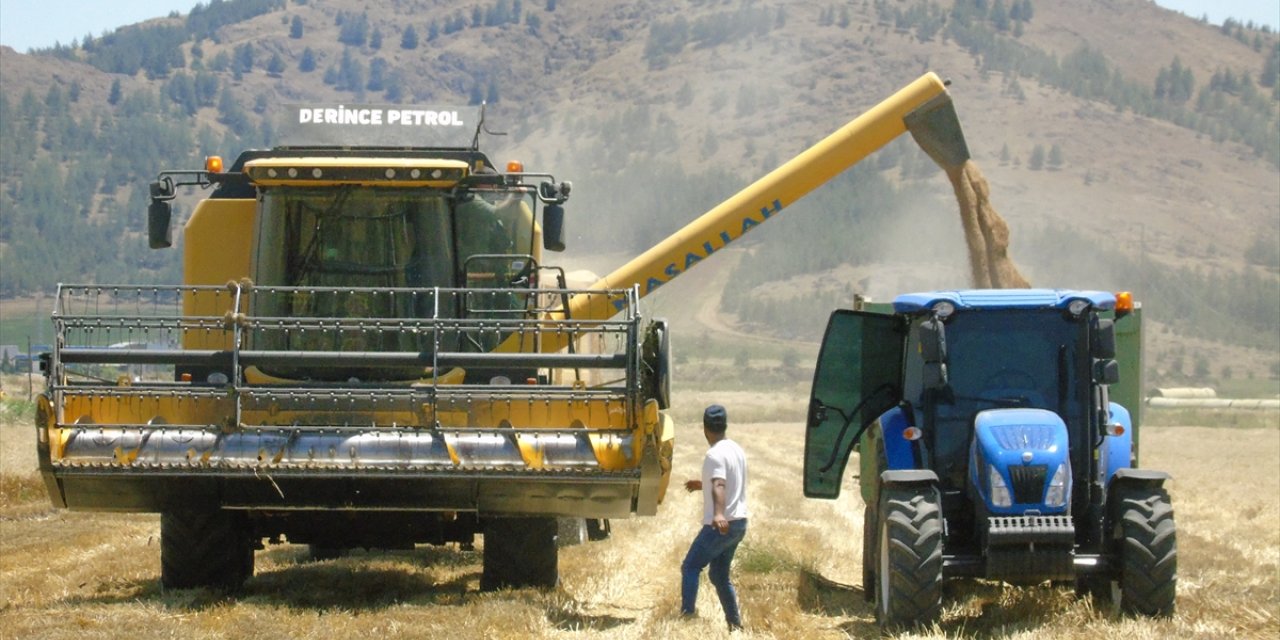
(923, 107)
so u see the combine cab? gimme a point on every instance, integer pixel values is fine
(990, 447)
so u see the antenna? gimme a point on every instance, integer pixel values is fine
(475, 142)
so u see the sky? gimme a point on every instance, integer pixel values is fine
(26, 24)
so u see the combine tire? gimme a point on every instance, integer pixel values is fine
(1147, 548)
(520, 552)
(571, 532)
(909, 557)
(208, 548)
(598, 529)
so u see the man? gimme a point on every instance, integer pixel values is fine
(724, 517)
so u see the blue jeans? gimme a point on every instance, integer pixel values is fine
(711, 548)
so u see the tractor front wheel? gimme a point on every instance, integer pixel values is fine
(1146, 540)
(909, 558)
(869, 549)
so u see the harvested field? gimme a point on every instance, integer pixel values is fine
(83, 575)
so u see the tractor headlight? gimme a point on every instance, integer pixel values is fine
(1077, 307)
(1056, 496)
(1000, 496)
(943, 309)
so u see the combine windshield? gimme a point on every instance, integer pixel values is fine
(353, 236)
(351, 251)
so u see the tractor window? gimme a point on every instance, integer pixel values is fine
(1000, 359)
(856, 380)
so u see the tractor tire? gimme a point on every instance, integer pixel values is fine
(520, 552)
(869, 550)
(1147, 550)
(209, 548)
(909, 557)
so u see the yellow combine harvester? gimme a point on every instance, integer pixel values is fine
(368, 350)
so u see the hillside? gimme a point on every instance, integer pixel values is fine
(1128, 146)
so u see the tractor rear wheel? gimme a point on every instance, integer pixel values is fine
(869, 550)
(520, 552)
(209, 548)
(1147, 549)
(909, 557)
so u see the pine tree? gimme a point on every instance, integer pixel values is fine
(1270, 76)
(295, 29)
(377, 75)
(1036, 161)
(409, 39)
(275, 66)
(375, 39)
(1055, 156)
(308, 61)
(114, 97)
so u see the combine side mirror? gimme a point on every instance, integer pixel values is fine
(1103, 344)
(159, 231)
(159, 214)
(553, 227)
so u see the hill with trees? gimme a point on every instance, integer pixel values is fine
(1128, 146)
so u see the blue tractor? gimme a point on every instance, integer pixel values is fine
(990, 447)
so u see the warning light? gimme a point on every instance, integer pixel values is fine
(912, 433)
(1124, 302)
(515, 166)
(213, 164)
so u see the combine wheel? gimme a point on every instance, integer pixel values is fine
(598, 529)
(1147, 549)
(520, 552)
(909, 557)
(205, 548)
(571, 532)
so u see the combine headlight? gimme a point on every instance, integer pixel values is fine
(1000, 495)
(1056, 496)
(943, 309)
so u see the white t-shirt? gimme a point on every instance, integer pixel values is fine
(726, 460)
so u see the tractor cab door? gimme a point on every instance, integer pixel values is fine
(858, 378)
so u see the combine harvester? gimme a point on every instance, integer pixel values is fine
(368, 350)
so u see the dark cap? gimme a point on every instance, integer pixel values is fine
(715, 418)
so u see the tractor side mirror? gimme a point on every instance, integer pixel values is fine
(159, 231)
(932, 337)
(1103, 344)
(1106, 371)
(553, 227)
